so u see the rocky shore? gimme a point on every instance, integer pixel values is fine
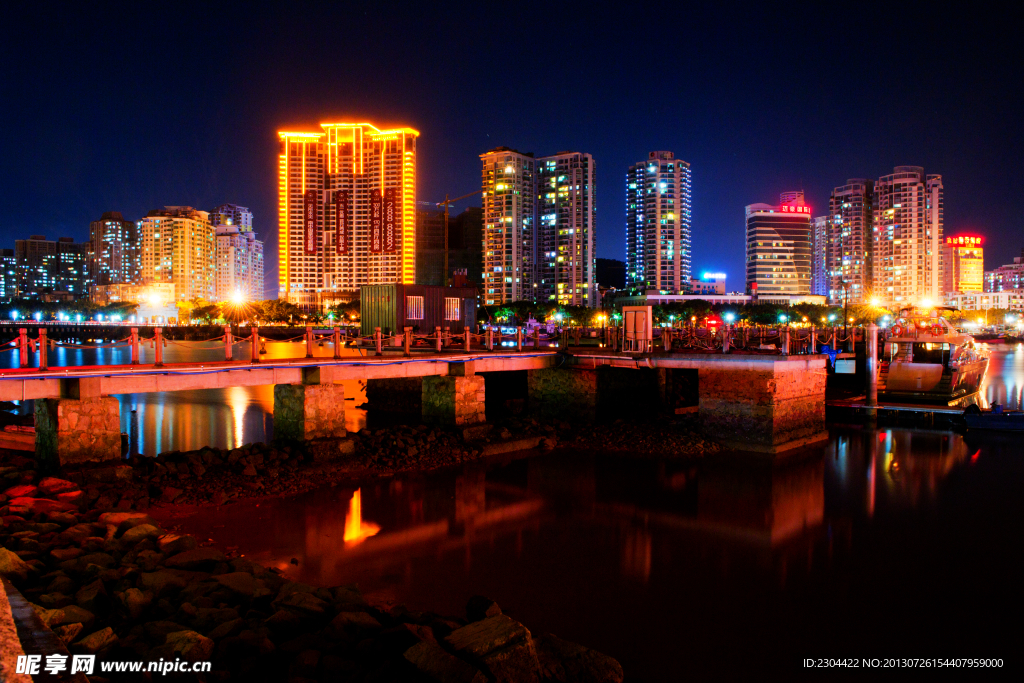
(115, 584)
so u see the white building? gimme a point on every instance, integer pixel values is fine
(658, 223)
(177, 247)
(1008, 299)
(848, 256)
(778, 247)
(654, 298)
(239, 259)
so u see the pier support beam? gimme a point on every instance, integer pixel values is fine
(456, 399)
(311, 409)
(564, 394)
(81, 426)
(764, 407)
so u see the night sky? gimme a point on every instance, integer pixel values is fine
(119, 110)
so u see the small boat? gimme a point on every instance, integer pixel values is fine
(926, 358)
(995, 419)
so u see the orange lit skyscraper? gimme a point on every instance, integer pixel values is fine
(347, 210)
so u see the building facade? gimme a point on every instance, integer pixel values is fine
(819, 255)
(45, 267)
(1009, 276)
(239, 264)
(8, 274)
(907, 218)
(177, 247)
(114, 250)
(658, 223)
(778, 247)
(565, 239)
(509, 180)
(234, 215)
(848, 249)
(1008, 299)
(347, 210)
(963, 264)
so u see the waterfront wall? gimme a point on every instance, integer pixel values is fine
(309, 411)
(453, 400)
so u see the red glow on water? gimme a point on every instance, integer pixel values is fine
(974, 458)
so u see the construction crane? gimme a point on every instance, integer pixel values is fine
(446, 203)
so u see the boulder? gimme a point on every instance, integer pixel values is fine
(301, 603)
(135, 601)
(565, 662)
(354, 621)
(501, 645)
(21, 491)
(137, 533)
(187, 645)
(69, 632)
(51, 486)
(71, 614)
(12, 567)
(171, 544)
(63, 554)
(37, 505)
(93, 596)
(195, 559)
(242, 583)
(161, 582)
(94, 642)
(441, 666)
(117, 518)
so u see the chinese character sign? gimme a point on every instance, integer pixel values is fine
(341, 221)
(309, 222)
(389, 219)
(376, 223)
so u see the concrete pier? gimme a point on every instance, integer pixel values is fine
(455, 399)
(559, 393)
(311, 409)
(80, 426)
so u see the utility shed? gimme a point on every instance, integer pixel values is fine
(421, 307)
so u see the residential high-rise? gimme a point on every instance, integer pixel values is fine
(429, 245)
(848, 252)
(565, 240)
(819, 254)
(1007, 277)
(177, 245)
(37, 266)
(347, 205)
(658, 223)
(907, 215)
(8, 275)
(73, 267)
(509, 209)
(963, 264)
(114, 250)
(234, 215)
(778, 248)
(238, 256)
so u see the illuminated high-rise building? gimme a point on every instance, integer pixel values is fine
(114, 250)
(234, 215)
(177, 245)
(509, 208)
(819, 255)
(778, 249)
(45, 266)
(963, 264)
(849, 250)
(658, 224)
(238, 255)
(347, 211)
(565, 239)
(1006, 277)
(907, 215)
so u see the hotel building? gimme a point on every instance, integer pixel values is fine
(819, 255)
(1010, 276)
(778, 248)
(848, 251)
(347, 211)
(907, 216)
(509, 180)
(658, 223)
(963, 264)
(177, 247)
(114, 250)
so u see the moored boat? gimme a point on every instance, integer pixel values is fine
(995, 419)
(926, 358)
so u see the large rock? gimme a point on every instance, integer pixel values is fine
(21, 491)
(51, 486)
(441, 666)
(94, 642)
(195, 559)
(37, 505)
(138, 533)
(117, 518)
(12, 567)
(301, 603)
(171, 544)
(502, 646)
(243, 583)
(565, 662)
(135, 601)
(161, 582)
(93, 596)
(188, 645)
(72, 614)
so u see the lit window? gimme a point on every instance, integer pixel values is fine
(451, 308)
(414, 307)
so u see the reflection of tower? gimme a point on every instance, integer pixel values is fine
(636, 553)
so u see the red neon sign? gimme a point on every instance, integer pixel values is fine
(964, 241)
(795, 209)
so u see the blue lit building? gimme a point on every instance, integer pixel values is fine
(658, 224)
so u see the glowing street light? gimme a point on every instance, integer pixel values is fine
(14, 315)
(782, 318)
(729, 317)
(38, 316)
(238, 298)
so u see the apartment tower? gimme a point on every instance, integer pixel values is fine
(509, 212)
(347, 210)
(177, 247)
(658, 224)
(849, 251)
(907, 237)
(819, 255)
(114, 250)
(238, 255)
(565, 240)
(778, 249)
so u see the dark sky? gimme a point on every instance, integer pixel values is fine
(131, 109)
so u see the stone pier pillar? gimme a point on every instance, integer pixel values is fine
(563, 393)
(456, 399)
(81, 426)
(310, 410)
(763, 404)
